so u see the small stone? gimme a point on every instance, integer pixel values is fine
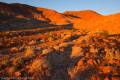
(76, 51)
(32, 42)
(17, 74)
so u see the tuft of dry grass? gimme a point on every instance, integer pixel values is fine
(29, 51)
(40, 69)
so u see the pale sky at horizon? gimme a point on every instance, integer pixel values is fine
(101, 6)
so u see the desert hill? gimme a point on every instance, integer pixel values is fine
(84, 20)
(42, 44)
(108, 23)
(25, 11)
(85, 14)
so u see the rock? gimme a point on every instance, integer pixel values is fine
(106, 69)
(14, 50)
(46, 51)
(76, 51)
(33, 42)
(63, 45)
(56, 47)
(90, 61)
(17, 73)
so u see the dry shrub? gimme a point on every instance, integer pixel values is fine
(29, 51)
(40, 69)
(104, 33)
(11, 71)
(4, 60)
(16, 61)
(99, 33)
(33, 42)
(73, 71)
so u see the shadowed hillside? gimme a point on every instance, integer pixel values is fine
(26, 11)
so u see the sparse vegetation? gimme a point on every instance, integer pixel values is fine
(93, 55)
(57, 52)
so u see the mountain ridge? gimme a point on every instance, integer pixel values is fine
(86, 19)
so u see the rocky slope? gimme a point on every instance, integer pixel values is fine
(25, 11)
(85, 14)
(108, 23)
(84, 20)
(46, 48)
(60, 55)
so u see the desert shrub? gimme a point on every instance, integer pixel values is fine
(33, 42)
(6, 74)
(39, 41)
(24, 74)
(11, 70)
(19, 65)
(21, 61)
(4, 62)
(50, 38)
(73, 29)
(15, 61)
(22, 20)
(84, 31)
(40, 69)
(28, 52)
(104, 33)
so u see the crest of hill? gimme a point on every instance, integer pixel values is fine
(25, 11)
(85, 14)
(109, 23)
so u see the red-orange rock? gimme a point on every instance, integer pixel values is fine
(17, 74)
(90, 61)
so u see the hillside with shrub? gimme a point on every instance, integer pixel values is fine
(43, 44)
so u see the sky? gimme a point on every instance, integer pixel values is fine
(101, 6)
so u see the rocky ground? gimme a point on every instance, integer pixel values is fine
(66, 54)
